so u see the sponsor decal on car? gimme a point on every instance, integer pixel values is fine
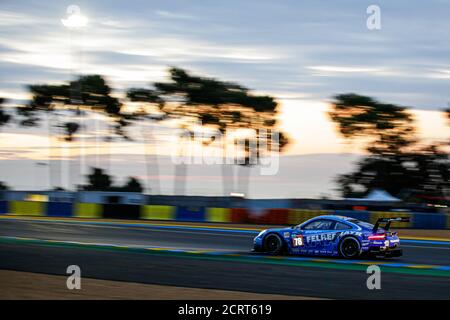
(321, 237)
(355, 233)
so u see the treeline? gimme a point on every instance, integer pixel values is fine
(396, 160)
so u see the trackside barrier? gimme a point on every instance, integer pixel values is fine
(276, 216)
(297, 216)
(121, 211)
(361, 215)
(3, 207)
(27, 208)
(59, 209)
(87, 210)
(429, 220)
(154, 212)
(239, 215)
(270, 216)
(218, 215)
(190, 214)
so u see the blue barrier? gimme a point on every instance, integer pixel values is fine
(190, 214)
(59, 209)
(419, 220)
(429, 220)
(3, 207)
(360, 215)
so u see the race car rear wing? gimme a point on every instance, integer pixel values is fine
(388, 222)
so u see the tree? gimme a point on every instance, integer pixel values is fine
(425, 171)
(3, 186)
(70, 129)
(4, 117)
(98, 181)
(388, 126)
(219, 105)
(396, 163)
(92, 93)
(132, 185)
(89, 92)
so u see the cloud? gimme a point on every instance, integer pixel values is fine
(440, 74)
(174, 15)
(305, 49)
(8, 19)
(324, 70)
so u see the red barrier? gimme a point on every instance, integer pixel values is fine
(239, 215)
(271, 216)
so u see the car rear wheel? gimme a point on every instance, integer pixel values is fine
(349, 248)
(273, 244)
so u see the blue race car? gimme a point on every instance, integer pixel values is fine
(332, 236)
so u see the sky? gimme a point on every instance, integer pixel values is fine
(301, 52)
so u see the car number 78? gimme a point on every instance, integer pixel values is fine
(297, 241)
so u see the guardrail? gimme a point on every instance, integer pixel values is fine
(279, 216)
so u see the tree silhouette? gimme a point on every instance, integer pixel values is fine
(4, 117)
(396, 162)
(222, 105)
(219, 105)
(98, 180)
(132, 185)
(425, 171)
(389, 126)
(3, 186)
(70, 129)
(93, 93)
(89, 92)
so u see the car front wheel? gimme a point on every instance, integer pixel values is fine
(273, 244)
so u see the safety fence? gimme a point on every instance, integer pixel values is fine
(275, 216)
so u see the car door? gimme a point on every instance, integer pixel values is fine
(318, 236)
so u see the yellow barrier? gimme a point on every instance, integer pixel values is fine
(218, 215)
(87, 210)
(27, 208)
(297, 216)
(153, 212)
(375, 215)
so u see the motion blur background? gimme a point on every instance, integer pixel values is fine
(100, 101)
(299, 54)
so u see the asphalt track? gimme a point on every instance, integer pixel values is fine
(219, 258)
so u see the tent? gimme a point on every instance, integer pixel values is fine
(376, 195)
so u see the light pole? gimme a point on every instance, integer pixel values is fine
(38, 165)
(73, 22)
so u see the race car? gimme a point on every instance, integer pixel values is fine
(332, 235)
